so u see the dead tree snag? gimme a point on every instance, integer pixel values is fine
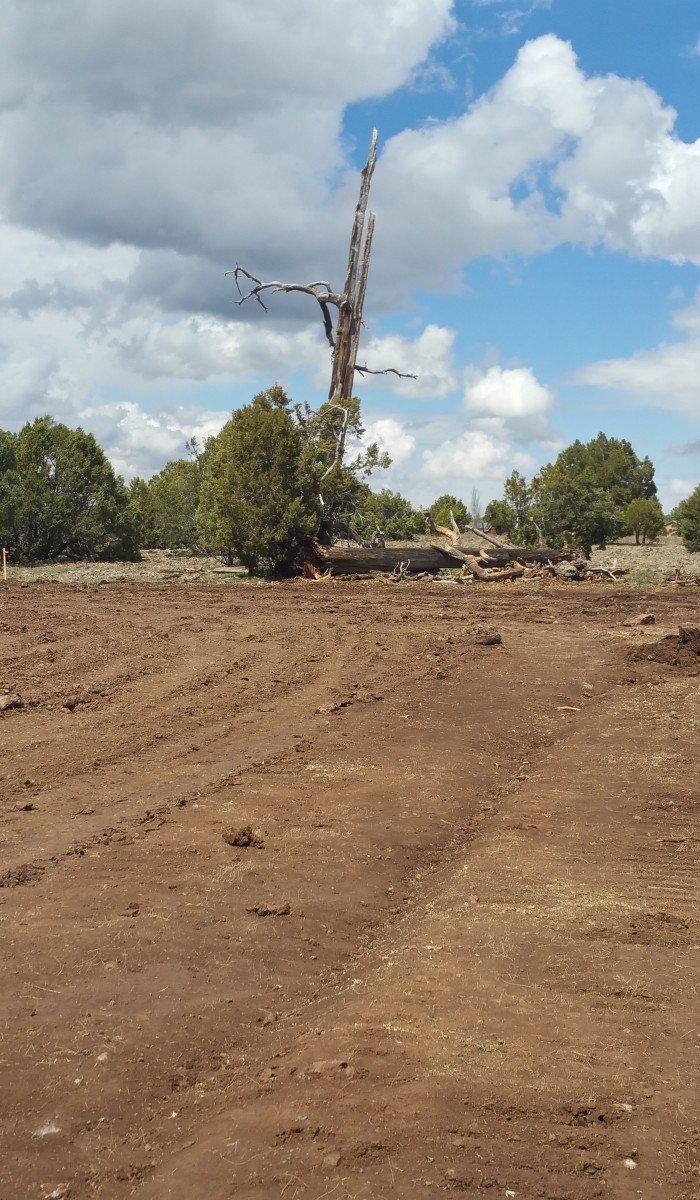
(343, 337)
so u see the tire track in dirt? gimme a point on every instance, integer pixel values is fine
(525, 1030)
(293, 705)
(146, 987)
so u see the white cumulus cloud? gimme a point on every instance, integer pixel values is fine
(548, 156)
(665, 376)
(140, 442)
(143, 152)
(679, 489)
(509, 401)
(429, 357)
(473, 455)
(393, 438)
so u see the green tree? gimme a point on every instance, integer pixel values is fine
(387, 513)
(142, 509)
(279, 472)
(518, 494)
(441, 508)
(617, 468)
(10, 490)
(676, 513)
(8, 451)
(644, 518)
(61, 497)
(568, 506)
(500, 515)
(335, 460)
(168, 505)
(689, 521)
(583, 496)
(259, 493)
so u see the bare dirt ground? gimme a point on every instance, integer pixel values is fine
(307, 893)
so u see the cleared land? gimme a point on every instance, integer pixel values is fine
(463, 954)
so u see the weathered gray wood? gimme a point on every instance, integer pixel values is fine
(350, 311)
(345, 337)
(356, 560)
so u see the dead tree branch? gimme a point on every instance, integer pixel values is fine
(340, 439)
(320, 290)
(385, 371)
(343, 337)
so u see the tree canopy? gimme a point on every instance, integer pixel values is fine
(689, 521)
(59, 496)
(582, 497)
(385, 514)
(499, 515)
(278, 473)
(441, 508)
(167, 504)
(644, 518)
(259, 497)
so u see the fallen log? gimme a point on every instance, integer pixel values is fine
(358, 560)
(613, 573)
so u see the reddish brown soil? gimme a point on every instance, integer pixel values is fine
(306, 894)
(680, 649)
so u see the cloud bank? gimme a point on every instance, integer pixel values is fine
(145, 156)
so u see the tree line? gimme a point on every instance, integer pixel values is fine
(279, 473)
(592, 494)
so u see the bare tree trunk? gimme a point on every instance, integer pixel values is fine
(349, 372)
(344, 339)
(350, 311)
(357, 560)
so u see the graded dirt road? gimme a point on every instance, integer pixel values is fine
(456, 946)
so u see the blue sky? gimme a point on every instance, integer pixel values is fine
(538, 222)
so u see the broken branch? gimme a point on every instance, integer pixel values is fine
(384, 371)
(320, 291)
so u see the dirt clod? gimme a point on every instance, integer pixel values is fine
(331, 1066)
(675, 650)
(10, 700)
(243, 837)
(270, 910)
(487, 637)
(16, 876)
